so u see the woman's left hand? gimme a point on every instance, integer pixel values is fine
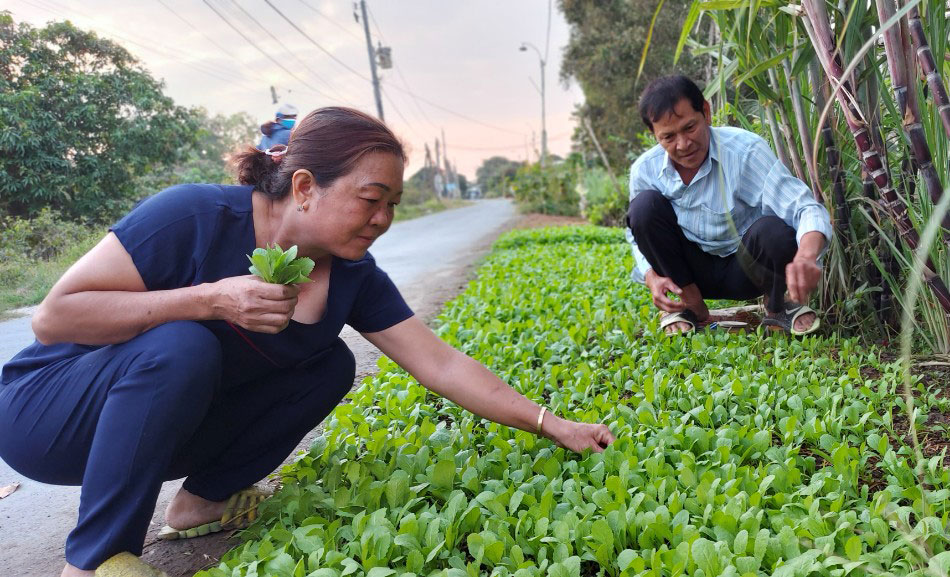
(577, 436)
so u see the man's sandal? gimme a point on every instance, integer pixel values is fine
(240, 511)
(684, 316)
(127, 565)
(785, 320)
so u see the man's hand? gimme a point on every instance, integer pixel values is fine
(801, 277)
(803, 273)
(660, 287)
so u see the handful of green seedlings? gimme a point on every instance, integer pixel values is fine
(279, 266)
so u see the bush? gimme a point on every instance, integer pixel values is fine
(35, 252)
(604, 203)
(41, 238)
(193, 169)
(548, 190)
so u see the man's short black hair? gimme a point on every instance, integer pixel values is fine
(660, 97)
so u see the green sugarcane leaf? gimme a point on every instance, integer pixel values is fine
(765, 65)
(691, 17)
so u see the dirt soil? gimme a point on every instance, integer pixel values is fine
(426, 298)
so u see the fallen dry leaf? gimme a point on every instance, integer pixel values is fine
(5, 491)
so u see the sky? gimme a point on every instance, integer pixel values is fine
(457, 63)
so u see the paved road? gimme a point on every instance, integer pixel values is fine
(35, 520)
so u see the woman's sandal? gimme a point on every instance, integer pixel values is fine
(684, 316)
(785, 320)
(240, 511)
(127, 565)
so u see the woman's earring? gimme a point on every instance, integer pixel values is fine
(299, 208)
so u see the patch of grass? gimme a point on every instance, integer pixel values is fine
(410, 211)
(26, 276)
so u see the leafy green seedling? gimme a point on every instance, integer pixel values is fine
(279, 266)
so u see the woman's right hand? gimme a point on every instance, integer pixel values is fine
(577, 436)
(253, 304)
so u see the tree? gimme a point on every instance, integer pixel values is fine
(603, 54)
(219, 136)
(204, 158)
(79, 120)
(494, 173)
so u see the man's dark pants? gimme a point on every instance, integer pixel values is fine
(756, 268)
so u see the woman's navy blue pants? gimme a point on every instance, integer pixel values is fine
(122, 419)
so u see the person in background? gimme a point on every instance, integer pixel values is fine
(159, 357)
(277, 131)
(714, 214)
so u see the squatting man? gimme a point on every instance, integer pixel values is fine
(714, 214)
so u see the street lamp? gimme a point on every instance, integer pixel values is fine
(544, 130)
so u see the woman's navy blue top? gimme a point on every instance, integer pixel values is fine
(199, 233)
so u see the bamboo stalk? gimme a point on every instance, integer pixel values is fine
(787, 130)
(909, 61)
(929, 66)
(869, 151)
(803, 130)
(896, 64)
(895, 44)
(842, 212)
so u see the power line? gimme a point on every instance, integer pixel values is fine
(281, 44)
(223, 50)
(166, 52)
(332, 21)
(266, 55)
(405, 82)
(406, 90)
(399, 113)
(186, 21)
(504, 147)
(458, 114)
(315, 43)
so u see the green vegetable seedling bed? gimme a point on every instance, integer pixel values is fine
(736, 454)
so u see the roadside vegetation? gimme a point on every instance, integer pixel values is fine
(71, 164)
(737, 454)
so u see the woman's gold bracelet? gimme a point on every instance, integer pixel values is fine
(540, 419)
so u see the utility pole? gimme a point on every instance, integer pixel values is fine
(440, 178)
(449, 177)
(372, 63)
(544, 131)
